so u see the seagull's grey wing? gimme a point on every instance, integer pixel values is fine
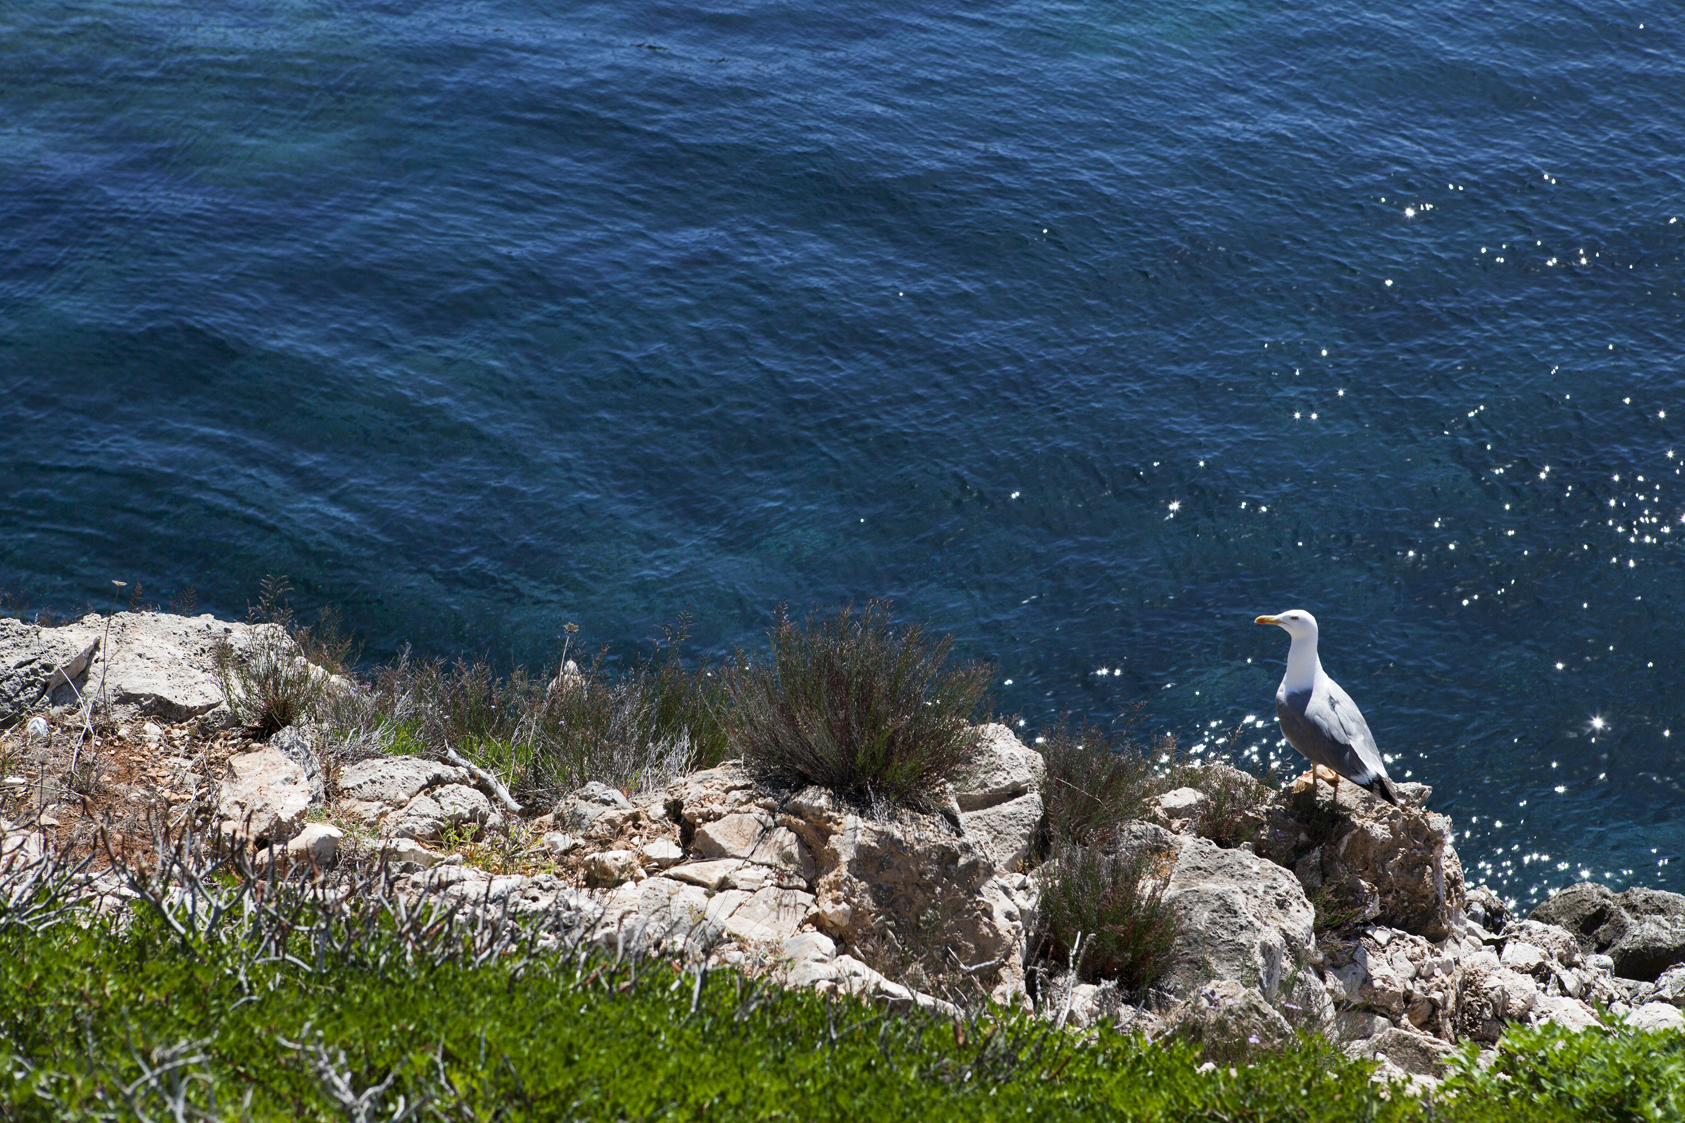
(1341, 722)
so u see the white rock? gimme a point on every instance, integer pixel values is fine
(1007, 830)
(709, 875)
(1656, 1016)
(317, 844)
(1003, 768)
(750, 877)
(770, 914)
(663, 852)
(734, 836)
(1570, 1013)
(611, 867)
(1181, 803)
(810, 945)
(38, 729)
(394, 779)
(1518, 956)
(409, 850)
(265, 797)
(836, 914)
(1242, 917)
(558, 843)
(781, 849)
(722, 904)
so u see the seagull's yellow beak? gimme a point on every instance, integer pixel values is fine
(1267, 620)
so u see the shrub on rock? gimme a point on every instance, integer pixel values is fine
(1105, 914)
(855, 705)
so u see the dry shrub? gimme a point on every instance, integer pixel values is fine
(1113, 899)
(849, 702)
(281, 676)
(1095, 782)
(543, 736)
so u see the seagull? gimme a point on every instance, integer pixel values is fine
(1320, 719)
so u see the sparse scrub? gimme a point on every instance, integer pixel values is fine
(1231, 812)
(542, 736)
(853, 703)
(1113, 899)
(269, 684)
(1095, 782)
(1098, 780)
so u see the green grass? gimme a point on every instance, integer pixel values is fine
(278, 1010)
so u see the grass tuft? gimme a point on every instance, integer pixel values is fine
(851, 702)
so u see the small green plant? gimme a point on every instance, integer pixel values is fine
(1113, 899)
(850, 702)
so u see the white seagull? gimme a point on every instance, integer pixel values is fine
(1320, 719)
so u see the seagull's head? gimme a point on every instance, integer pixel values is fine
(1299, 623)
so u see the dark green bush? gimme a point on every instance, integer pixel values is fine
(1113, 898)
(855, 704)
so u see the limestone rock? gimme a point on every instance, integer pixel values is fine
(298, 744)
(265, 797)
(1007, 830)
(151, 664)
(1655, 1016)
(1003, 769)
(1242, 918)
(810, 945)
(1179, 808)
(408, 850)
(1641, 930)
(732, 836)
(709, 875)
(1492, 996)
(1486, 908)
(1415, 1053)
(662, 853)
(558, 843)
(1228, 1010)
(429, 815)
(611, 867)
(911, 877)
(395, 780)
(596, 811)
(1569, 1013)
(769, 914)
(1399, 858)
(316, 845)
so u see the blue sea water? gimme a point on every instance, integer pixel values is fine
(1086, 332)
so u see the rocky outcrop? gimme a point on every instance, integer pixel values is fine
(1642, 931)
(410, 797)
(1370, 860)
(139, 663)
(911, 881)
(1242, 919)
